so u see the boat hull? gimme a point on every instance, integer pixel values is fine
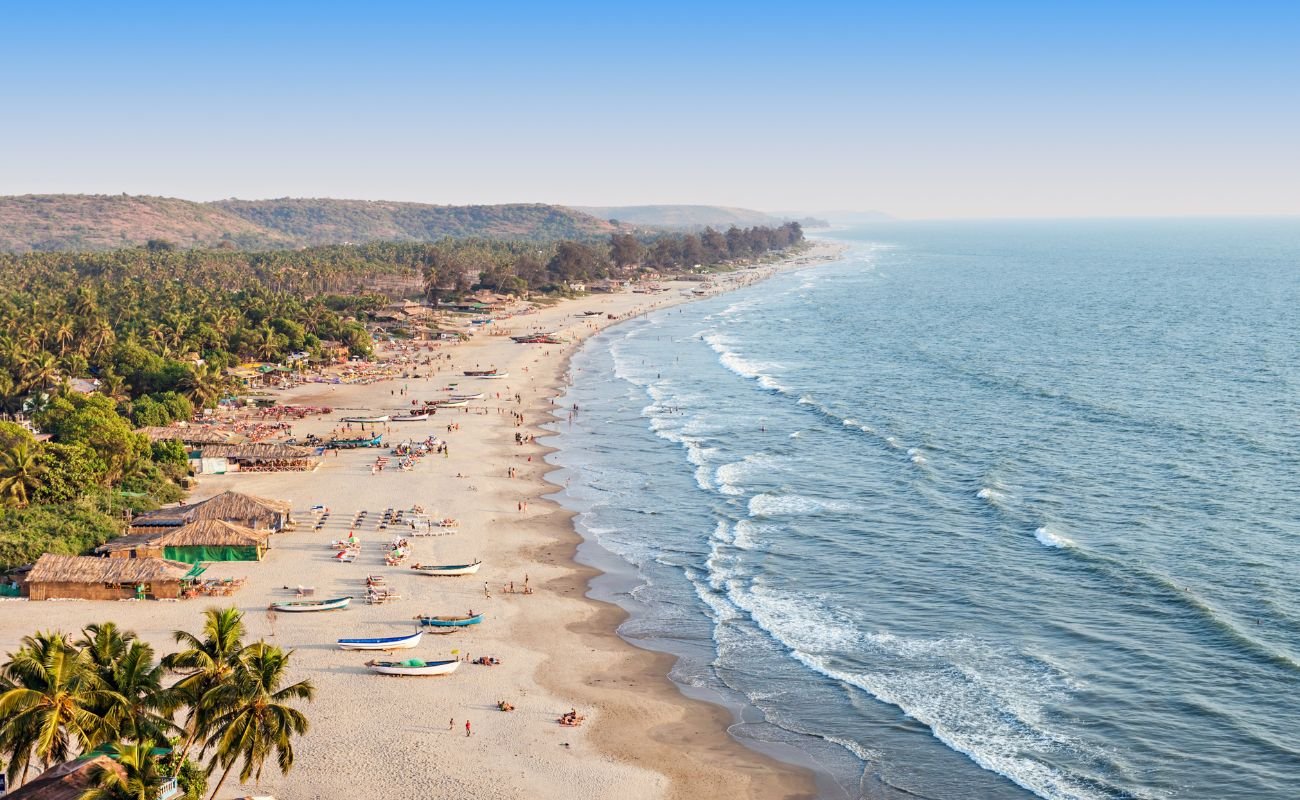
(450, 622)
(307, 606)
(452, 569)
(389, 643)
(429, 668)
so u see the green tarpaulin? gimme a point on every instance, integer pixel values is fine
(194, 554)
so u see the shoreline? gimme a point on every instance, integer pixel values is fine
(559, 648)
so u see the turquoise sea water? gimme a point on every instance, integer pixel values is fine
(992, 510)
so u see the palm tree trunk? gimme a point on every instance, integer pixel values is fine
(185, 752)
(223, 779)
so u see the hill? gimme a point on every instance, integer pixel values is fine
(325, 221)
(674, 216)
(106, 222)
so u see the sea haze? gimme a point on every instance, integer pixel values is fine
(983, 510)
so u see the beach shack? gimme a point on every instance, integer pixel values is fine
(245, 510)
(90, 578)
(72, 779)
(198, 541)
(218, 459)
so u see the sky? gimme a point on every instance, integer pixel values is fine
(919, 109)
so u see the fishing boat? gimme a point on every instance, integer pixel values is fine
(366, 420)
(479, 373)
(349, 444)
(475, 396)
(538, 338)
(410, 417)
(495, 375)
(387, 643)
(413, 666)
(448, 569)
(450, 403)
(450, 622)
(301, 606)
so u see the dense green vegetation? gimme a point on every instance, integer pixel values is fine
(152, 332)
(325, 221)
(108, 222)
(106, 691)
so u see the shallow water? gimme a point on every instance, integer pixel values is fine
(981, 510)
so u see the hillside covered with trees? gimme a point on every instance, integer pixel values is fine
(45, 223)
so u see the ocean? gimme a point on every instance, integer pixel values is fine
(979, 510)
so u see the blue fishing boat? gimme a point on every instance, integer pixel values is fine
(450, 622)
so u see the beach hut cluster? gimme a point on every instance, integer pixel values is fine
(90, 578)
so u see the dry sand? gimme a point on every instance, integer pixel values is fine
(400, 738)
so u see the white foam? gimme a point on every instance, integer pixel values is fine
(1051, 538)
(917, 456)
(782, 505)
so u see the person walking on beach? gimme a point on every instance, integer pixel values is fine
(467, 730)
(451, 724)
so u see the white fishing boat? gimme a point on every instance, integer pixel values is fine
(384, 418)
(448, 569)
(450, 403)
(478, 396)
(386, 643)
(413, 666)
(410, 417)
(300, 606)
(493, 376)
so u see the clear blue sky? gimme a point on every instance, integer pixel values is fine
(922, 109)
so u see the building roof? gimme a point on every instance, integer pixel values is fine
(50, 568)
(200, 533)
(200, 435)
(66, 781)
(225, 506)
(257, 451)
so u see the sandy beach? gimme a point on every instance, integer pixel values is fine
(401, 738)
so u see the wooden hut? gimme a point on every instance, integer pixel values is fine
(201, 540)
(218, 459)
(72, 779)
(246, 510)
(89, 578)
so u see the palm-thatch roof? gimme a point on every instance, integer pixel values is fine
(226, 506)
(195, 436)
(67, 781)
(200, 533)
(258, 451)
(50, 568)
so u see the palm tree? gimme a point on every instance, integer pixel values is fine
(141, 707)
(20, 474)
(204, 384)
(41, 368)
(48, 708)
(140, 778)
(254, 717)
(206, 661)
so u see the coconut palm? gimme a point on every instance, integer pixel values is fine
(140, 778)
(140, 707)
(253, 715)
(207, 660)
(204, 384)
(48, 710)
(20, 474)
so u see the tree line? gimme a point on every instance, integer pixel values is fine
(216, 699)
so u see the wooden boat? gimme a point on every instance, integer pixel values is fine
(386, 643)
(450, 622)
(449, 569)
(300, 606)
(383, 418)
(477, 396)
(350, 444)
(410, 417)
(496, 375)
(480, 373)
(450, 403)
(413, 666)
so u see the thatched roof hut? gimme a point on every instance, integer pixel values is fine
(249, 511)
(256, 457)
(192, 436)
(90, 578)
(201, 540)
(67, 781)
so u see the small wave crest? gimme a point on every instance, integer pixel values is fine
(1049, 537)
(791, 505)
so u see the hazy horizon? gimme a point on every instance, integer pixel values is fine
(936, 111)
